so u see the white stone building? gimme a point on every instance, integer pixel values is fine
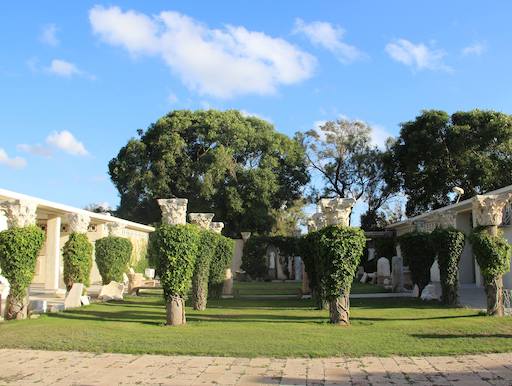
(58, 221)
(493, 208)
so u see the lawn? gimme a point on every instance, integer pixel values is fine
(273, 327)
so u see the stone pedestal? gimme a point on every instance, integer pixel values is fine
(383, 270)
(397, 278)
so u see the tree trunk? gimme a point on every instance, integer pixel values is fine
(200, 297)
(176, 311)
(449, 295)
(339, 310)
(494, 293)
(17, 307)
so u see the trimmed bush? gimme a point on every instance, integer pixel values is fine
(77, 259)
(221, 261)
(449, 244)
(19, 248)
(206, 251)
(339, 252)
(174, 249)
(492, 253)
(112, 257)
(418, 249)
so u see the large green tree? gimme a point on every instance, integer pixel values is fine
(236, 166)
(436, 152)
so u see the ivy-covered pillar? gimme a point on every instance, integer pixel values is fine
(337, 212)
(19, 214)
(488, 213)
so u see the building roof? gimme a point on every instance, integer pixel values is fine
(458, 207)
(61, 209)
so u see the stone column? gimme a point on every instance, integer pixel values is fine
(174, 210)
(19, 213)
(78, 222)
(53, 256)
(488, 212)
(201, 219)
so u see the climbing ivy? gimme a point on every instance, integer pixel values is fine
(112, 257)
(77, 259)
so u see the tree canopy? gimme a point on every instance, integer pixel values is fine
(436, 152)
(235, 166)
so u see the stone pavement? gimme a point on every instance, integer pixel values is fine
(30, 367)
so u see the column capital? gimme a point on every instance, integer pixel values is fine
(488, 209)
(201, 219)
(78, 222)
(217, 226)
(336, 210)
(174, 210)
(245, 236)
(19, 213)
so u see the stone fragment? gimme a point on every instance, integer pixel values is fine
(112, 291)
(38, 306)
(429, 293)
(72, 299)
(85, 300)
(383, 270)
(397, 278)
(364, 278)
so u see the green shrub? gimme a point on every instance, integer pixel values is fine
(77, 259)
(309, 252)
(449, 244)
(174, 249)
(385, 247)
(418, 249)
(340, 250)
(206, 250)
(19, 248)
(112, 257)
(492, 253)
(221, 261)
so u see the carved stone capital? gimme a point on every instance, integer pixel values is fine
(115, 229)
(174, 210)
(337, 210)
(19, 213)
(217, 226)
(488, 208)
(78, 222)
(443, 219)
(319, 221)
(201, 219)
(311, 225)
(245, 236)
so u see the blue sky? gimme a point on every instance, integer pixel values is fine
(77, 79)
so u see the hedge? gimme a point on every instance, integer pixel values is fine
(221, 261)
(309, 253)
(112, 257)
(418, 249)
(448, 244)
(77, 259)
(19, 249)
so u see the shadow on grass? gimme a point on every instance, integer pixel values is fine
(458, 336)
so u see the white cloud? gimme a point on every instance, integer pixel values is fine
(12, 162)
(379, 135)
(49, 35)
(65, 141)
(476, 49)
(218, 62)
(329, 37)
(63, 68)
(246, 113)
(418, 56)
(37, 149)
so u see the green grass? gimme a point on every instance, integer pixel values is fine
(277, 328)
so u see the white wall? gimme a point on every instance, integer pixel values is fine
(3, 222)
(467, 264)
